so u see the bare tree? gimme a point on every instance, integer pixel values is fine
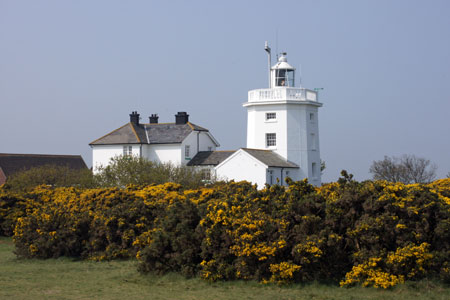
(406, 169)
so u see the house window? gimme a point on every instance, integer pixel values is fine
(311, 117)
(206, 175)
(127, 150)
(271, 116)
(187, 150)
(271, 177)
(209, 148)
(271, 139)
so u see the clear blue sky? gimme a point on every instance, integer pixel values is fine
(71, 71)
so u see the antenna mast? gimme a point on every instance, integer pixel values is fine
(300, 71)
(267, 49)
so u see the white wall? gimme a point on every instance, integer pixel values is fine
(242, 166)
(279, 175)
(258, 126)
(198, 141)
(163, 153)
(102, 154)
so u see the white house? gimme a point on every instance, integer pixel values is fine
(282, 137)
(176, 142)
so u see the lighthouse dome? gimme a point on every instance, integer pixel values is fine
(282, 63)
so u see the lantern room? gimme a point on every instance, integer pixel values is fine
(282, 73)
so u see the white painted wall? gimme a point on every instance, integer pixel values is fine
(102, 154)
(303, 140)
(258, 126)
(242, 166)
(278, 175)
(163, 153)
(198, 141)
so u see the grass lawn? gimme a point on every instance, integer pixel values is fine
(68, 279)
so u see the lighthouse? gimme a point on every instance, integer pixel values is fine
(284, 119)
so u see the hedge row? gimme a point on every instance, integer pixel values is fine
(370, 233)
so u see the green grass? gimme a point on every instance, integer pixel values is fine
(68, 279)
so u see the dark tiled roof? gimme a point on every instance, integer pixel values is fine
(162, 133)
(270, 158)
(123, 135)
(13, 163)
(208, 158)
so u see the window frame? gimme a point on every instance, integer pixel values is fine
(271, 139)
(127, 150)
(274, 119)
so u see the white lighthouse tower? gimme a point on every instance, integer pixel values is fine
(284, 119)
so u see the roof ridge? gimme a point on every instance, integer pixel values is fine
(200, 128)
(158, 123)
(41, 155)
(266, 150)
(190, 125)
(135, 133)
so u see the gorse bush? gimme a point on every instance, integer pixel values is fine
(370, 233)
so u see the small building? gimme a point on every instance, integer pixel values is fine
(14, 163)
(255, 165)
(175, 143)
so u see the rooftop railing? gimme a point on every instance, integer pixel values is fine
(275, 94)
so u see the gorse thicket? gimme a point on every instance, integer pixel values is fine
(372, 233)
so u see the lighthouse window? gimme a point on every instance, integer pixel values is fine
(284, 77)
(271, 116)
(271, 139)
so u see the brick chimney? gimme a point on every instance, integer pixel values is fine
(153, 119)
(134, 118)
(181, 118)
